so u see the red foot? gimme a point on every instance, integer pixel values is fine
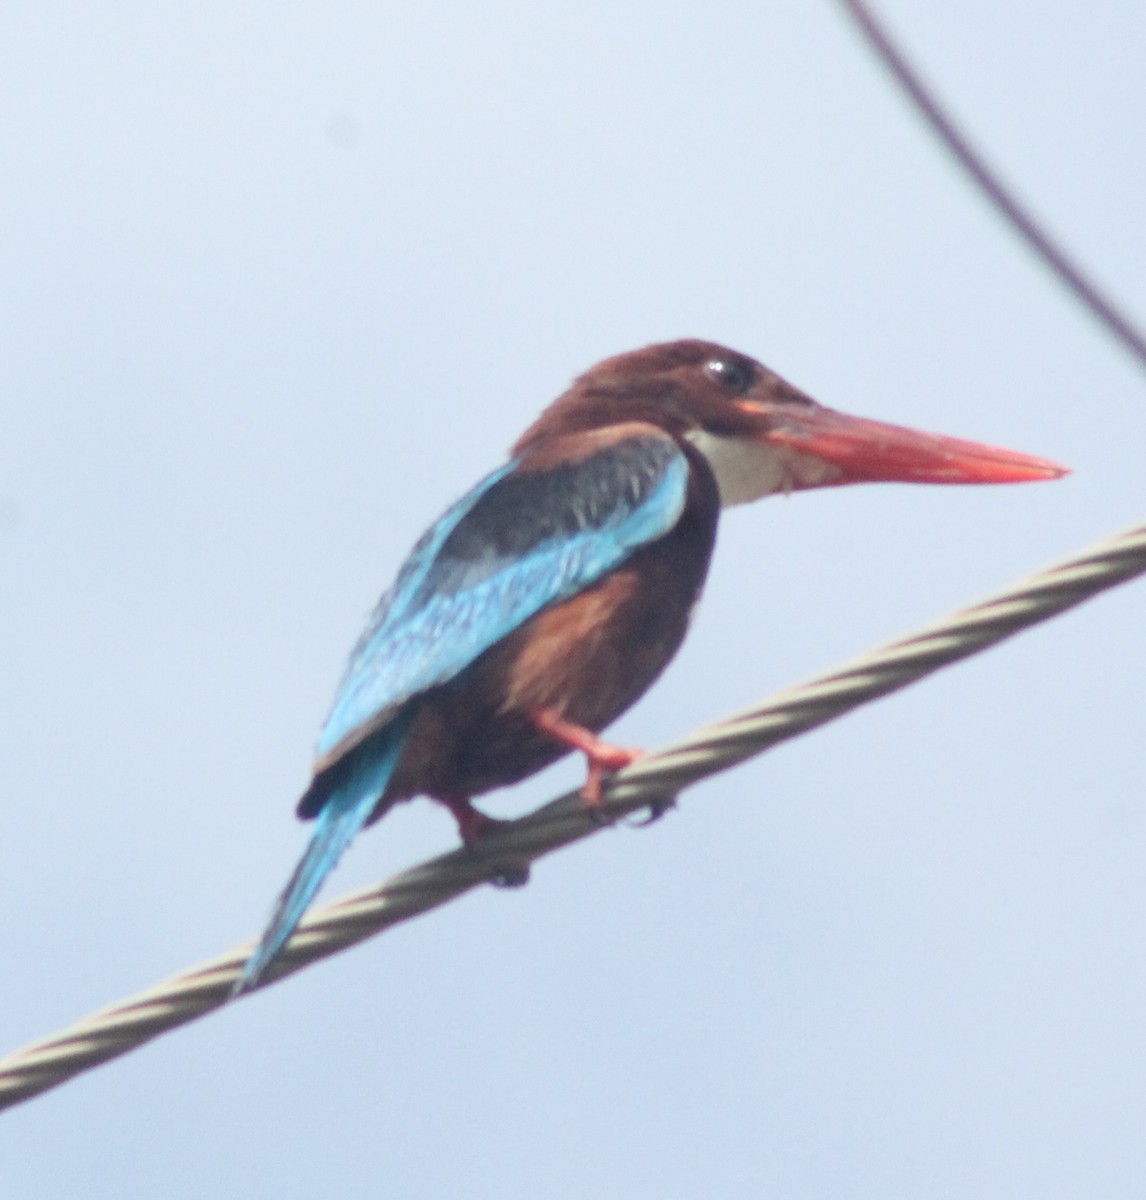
(471, 822)
(602, 757)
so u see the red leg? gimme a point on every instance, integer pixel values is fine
(472, 823)
(601, 756)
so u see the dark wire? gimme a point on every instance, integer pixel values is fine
(1028, 228)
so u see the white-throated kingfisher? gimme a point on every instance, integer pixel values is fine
(549, 598)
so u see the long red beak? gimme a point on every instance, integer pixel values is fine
(865, 451)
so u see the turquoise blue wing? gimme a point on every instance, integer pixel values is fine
(526, 537)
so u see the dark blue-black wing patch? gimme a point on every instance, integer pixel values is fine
(521, 540)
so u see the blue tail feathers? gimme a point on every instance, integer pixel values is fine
(342, 817)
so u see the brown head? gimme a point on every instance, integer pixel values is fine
(759, 433)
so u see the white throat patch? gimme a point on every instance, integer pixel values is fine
(746, 470)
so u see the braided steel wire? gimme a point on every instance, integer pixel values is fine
(505, 855)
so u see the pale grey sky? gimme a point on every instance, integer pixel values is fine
(277, 283)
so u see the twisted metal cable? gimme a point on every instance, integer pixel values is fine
(504, 856)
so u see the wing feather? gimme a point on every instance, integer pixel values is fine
(526, 537)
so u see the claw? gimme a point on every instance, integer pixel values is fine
(602, 757)
(473, 825)
(513, 876)
(655, 810)
(472, 822)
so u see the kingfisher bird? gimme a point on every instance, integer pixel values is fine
(548, 599)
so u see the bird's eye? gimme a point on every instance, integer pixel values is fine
(732, 376)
